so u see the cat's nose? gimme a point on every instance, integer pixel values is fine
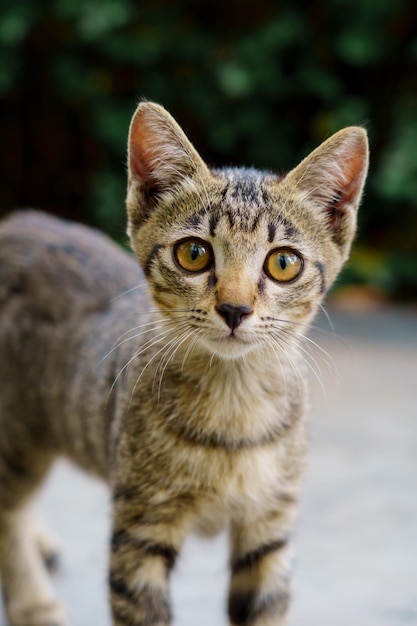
(233, 315)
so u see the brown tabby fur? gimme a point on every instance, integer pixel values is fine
(196, 423)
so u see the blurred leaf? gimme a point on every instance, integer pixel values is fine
(107, 202)
(9, 70)
(95, 18)
(111, 122)
(235, 80)
(359, 48)
(396, 177)
(15, 21)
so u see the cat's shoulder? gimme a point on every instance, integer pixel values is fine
(60, 266)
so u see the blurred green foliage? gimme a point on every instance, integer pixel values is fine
(256, 83)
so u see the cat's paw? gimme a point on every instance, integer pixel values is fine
(51, 614)
(49, 549)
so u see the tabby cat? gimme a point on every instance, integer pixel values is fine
(185, 389)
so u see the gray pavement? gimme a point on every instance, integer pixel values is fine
(356, 541)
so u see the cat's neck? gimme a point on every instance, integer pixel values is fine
(194, 366)
(241, 399)
(243, 379)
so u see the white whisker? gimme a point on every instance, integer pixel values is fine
(164, 347)
(125, 293)
(156, 325)
(285, 348)
(327, 316)
(170, 355)
(171, 349)
(149, 344)
(193, 343)
(326, 357)
(283, 377)
(301, 351)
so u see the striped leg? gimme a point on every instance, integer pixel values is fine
(261, 562)
(144, 551)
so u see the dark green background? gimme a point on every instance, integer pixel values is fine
(257, 83)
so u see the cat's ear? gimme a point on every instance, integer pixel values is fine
(161, 159)
(331, 181)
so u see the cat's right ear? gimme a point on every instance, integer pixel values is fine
(161, 160)
(331, 180)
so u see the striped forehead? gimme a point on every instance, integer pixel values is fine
(244, 186)
(242, 204)
(243, 201)
(246, 205)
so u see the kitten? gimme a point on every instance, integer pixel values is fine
(184, 391)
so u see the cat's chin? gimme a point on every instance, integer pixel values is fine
(228, 348)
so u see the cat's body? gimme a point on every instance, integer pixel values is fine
(193, 410)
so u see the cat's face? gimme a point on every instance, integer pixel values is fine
(239, 258)
(238, 270)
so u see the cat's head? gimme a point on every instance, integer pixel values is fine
(241, 258)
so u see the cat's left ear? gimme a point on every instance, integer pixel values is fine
(161, 160)
(331, 181)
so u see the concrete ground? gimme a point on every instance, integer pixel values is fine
(356, 541)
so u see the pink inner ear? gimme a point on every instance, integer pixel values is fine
(139, 155)
(347, 190)
(354, 167)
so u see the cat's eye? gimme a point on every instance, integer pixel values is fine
(283, 265)
(193, 255)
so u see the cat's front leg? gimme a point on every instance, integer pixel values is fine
(145, 545)
(261, 568)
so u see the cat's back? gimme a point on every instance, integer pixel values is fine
(57, 269)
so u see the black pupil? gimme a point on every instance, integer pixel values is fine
(283, 261)
(195, 252)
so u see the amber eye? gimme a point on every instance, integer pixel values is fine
(283, 265)
(193, 255)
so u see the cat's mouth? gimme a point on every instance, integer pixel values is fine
(231, 346)
(233, 337)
